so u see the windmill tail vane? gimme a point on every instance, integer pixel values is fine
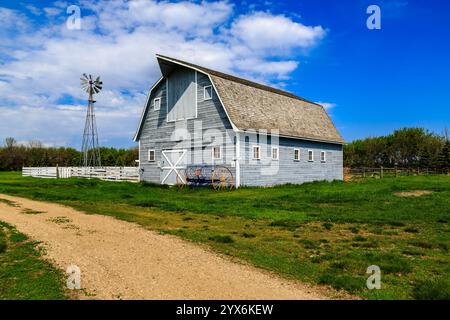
(90, 148)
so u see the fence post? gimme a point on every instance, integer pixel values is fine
(381, 172)
(364, 172)
(418, 171)
(395, 168)
(57, 171)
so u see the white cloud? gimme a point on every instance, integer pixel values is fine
(279, 69)
(39, 82)
(12, 20)
(327, 105)
(34, 10)
(49, 11)
(263, 31)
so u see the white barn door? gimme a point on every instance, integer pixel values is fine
(172, 162)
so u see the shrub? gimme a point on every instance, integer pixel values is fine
(432, 289)
(390, 262)
(362, 244)
(221, 239)
(342, 281)
(248, 235)
(309, 244)
(2, 246)
(339, 265)
(396, 223)
(421, 244)
(443, 246)
(411, 230)
(354, 230)
(327, 225)
(288, 224)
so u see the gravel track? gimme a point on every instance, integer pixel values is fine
(121, 260)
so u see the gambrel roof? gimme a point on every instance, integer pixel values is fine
(250, 105)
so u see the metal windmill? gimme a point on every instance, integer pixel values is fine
(90, 148)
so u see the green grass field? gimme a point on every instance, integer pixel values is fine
(323, 233)
(23, 272)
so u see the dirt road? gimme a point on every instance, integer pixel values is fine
(121, 260)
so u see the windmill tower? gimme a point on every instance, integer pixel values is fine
(90, 148)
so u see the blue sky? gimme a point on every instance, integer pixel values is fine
(371, 81)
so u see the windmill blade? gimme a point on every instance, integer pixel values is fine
(84, 81)
(90, 85)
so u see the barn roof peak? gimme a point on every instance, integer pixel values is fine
(251, 105)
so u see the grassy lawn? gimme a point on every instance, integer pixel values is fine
(326, 233)
(23, 273)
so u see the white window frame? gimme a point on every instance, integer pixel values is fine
(204, 92)
(295, 152)
(154, 104)
(311, 158)
(253, 152)
(324, 156)
(154, 155)
(278, 154)
(213, 153)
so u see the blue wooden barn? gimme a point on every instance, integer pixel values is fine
(195, 116)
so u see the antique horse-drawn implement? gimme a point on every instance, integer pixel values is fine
(220, 177)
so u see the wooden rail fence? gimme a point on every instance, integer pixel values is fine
(103, 173)
(381, 172)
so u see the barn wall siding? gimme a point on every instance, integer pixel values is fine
(156, 131)
(286, 169)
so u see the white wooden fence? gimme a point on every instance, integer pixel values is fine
(104, 173)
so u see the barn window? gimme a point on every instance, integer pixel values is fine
(323, 156)
(310, 155)
(256, 153)
(274, 153)
(157, 103)
(151, 155)
(207, 93)
(296, 154)
(216, 153)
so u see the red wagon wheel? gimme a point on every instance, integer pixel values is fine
(222, 178)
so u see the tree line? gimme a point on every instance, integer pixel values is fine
(406, 148)
(14, 156)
